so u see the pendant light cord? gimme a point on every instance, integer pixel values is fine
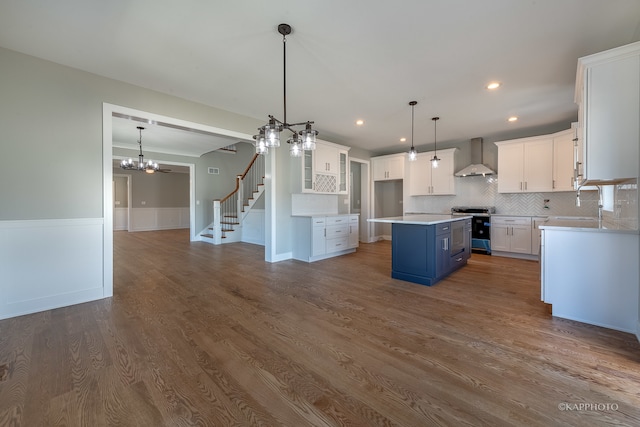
(284, 73)
(412, 107)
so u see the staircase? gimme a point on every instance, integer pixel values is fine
(229, 212)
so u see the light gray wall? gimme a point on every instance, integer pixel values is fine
(158, 190)
(51, 114)
(120, 193)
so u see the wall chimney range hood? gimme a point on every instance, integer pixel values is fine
(476, 167)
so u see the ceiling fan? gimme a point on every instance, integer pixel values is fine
(148, 167)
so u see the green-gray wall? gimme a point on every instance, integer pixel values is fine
(51, 135)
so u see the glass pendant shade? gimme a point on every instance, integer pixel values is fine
(413, 154)
(434, 161)
(261, 143)
(308, 138)
(295, 147)
(151, 167)
(272, 134)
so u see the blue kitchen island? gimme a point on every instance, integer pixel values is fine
(428, 247)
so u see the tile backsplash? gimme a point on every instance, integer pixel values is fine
(483, 191)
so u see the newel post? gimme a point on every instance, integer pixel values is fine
(217, 227)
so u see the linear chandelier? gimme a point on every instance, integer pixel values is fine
(269, 134)
(149, 167)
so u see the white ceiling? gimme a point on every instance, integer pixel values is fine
(346, 60)
(161, 137)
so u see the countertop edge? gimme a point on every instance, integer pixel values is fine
(589, 229)
(417, 221)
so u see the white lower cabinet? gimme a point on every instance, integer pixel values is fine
(511, 235)
(591, 276)
(320, 237)
(337, 234)
(354, 231)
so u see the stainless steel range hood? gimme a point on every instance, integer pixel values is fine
(476, 167)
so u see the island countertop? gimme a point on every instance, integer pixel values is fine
(420, 219)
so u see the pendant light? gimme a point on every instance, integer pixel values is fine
(269, 134)
(149, 167)
(435, 160)
(412, 152)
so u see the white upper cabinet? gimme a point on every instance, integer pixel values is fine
(326, 159)
(425, 180)
(323, 170)
(525, 165)
(608, 95)
(563, 161)
(388, 167)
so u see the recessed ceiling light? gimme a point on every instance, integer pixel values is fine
(403, 139)
(493, 85)
(512, 119)
(359, 122)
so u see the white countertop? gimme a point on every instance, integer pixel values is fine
(322, 215)
(420, 219)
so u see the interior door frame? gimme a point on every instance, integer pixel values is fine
(365, 195)
(108, 111)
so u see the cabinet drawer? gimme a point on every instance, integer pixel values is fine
(335, 220)
(511, 220)
(318, 221)
(354, 219)
(443, 228)
(335, 231)
(337, 244)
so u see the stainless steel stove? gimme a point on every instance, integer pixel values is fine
(480, 226)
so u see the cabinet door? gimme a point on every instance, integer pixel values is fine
(318, 243)
(443, 243)
(442, 180)
(308, 172)
(611, 117)
(326, 159)
(563, 162)
(420, 176)
(395, 167)
(510, 168)
(538, 166)
(500, 238)
(536, 234)
(379, 166)
(343, 172)
(354, 232)
(520, 239)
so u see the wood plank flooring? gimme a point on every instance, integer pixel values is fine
(213, 336)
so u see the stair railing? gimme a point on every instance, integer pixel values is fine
(227, 211)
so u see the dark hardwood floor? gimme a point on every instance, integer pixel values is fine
(214, 336)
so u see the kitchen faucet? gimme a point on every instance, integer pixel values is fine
(600, 203)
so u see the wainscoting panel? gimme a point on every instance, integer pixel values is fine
(120, 220)
(253, 227)
(146, 219)
(49, 264)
